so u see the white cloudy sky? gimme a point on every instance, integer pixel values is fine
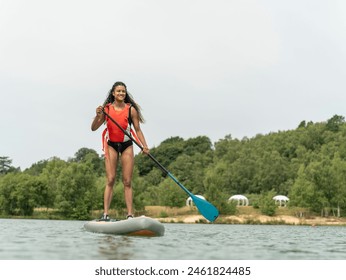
(197, 67)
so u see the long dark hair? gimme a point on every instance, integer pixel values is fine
(128, 99)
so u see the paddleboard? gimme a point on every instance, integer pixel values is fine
(140, 226)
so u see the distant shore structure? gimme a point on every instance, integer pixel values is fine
(281, 200)
(242, 200)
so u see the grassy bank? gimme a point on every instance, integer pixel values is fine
(245, 215)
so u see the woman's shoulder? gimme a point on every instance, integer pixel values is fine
(131, 107)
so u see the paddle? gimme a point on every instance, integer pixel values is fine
(207, 209)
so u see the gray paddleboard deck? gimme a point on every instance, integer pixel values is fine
(142, 226)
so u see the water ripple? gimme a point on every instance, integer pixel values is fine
(67, 240)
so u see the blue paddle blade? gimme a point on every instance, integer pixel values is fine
(207, 209)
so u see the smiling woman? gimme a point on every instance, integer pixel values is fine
(120, 106)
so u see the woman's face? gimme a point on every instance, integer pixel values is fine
(119, 93)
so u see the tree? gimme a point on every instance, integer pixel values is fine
(200, 144)
(305, 192)
(76, 190)
(49, 176)
(272, 171)
(302, 124)
(218, 178)
(334, 123)
(217, 189)
(266, 203)
(338, 172)
(6, 166)
(227, 149)
(36, 168)
(87, 155)
(20, 193)
(170, 194)
(165, 153)
(190, 170)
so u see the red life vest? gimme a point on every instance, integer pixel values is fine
(113, 132)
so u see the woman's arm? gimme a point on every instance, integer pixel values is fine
(98, 120)
(137, 127)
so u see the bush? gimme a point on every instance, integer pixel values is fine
(266, 204)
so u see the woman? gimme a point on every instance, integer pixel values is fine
(121, 107)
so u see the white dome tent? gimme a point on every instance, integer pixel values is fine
(189, 201)
(281, 200)
(241, 199)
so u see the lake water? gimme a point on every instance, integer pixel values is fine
(67, 240)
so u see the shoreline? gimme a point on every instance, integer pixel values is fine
(258, 219)
(246, 215)
(240, 219)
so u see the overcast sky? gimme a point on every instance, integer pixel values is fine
(196, 67)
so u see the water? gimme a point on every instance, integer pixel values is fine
(67, 240)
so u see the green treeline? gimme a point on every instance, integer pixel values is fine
(307, 164)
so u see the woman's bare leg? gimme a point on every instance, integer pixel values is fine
(127, 161)
(111, 162)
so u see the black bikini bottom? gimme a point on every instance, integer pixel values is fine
(120, 147)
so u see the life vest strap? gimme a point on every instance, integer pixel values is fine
(105, 139)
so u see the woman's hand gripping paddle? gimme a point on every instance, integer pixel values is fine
(208, 210)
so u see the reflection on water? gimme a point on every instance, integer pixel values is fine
(67, 240)
(115, 247)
